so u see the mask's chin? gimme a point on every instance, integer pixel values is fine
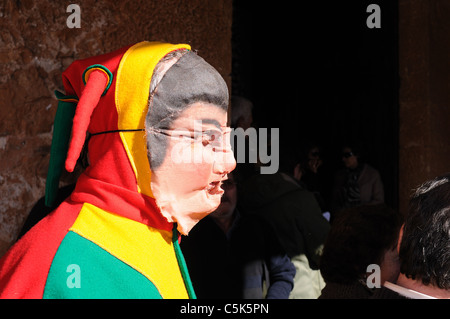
(188, 209)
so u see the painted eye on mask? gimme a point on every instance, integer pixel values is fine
(212, 138)
(216, 139)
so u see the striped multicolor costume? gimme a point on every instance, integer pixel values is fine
(108, 239)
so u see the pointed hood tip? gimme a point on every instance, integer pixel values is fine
(95, 86)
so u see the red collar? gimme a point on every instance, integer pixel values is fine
(120, 201)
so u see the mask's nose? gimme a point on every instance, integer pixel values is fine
(224, 161)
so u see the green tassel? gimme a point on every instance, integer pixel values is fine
(62, 128)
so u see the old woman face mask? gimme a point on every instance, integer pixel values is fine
(188, 141)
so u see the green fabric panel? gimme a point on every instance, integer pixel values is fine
(182, 264)
(62, 128)
(81, 269)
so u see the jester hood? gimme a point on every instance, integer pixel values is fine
(112, 229)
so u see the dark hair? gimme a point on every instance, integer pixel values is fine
(358, 237)
(357, 149)
(425, 245)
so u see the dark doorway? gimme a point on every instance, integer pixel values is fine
(318, 72)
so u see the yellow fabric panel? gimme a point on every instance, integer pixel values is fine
(132, 91)
(148, 250)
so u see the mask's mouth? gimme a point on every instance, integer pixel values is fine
(214, 188)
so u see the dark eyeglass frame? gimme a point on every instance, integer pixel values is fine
(347, 154)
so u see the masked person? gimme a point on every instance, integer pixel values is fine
(158, 151)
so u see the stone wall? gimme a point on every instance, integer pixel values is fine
(36, 45)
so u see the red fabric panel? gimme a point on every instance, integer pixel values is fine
(24, 268)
